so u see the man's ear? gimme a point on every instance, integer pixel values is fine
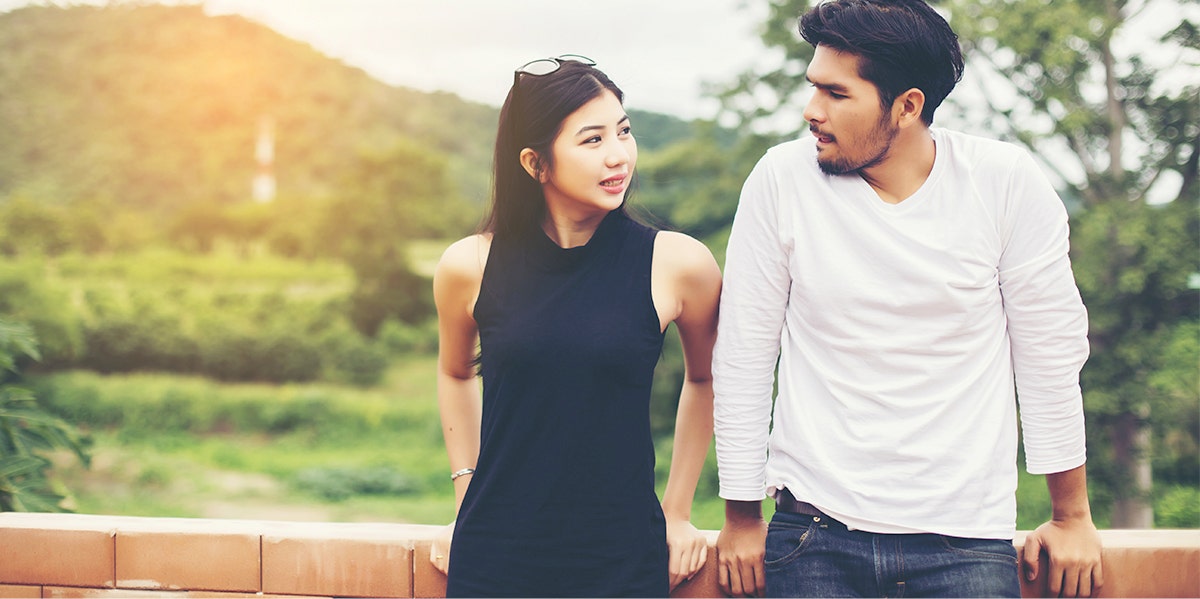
(533, 164)
(908, 106)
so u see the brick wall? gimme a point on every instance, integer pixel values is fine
(70, 555)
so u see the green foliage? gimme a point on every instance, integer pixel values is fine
(400, 338)
(400, 195)
(27, 432)
(765, 93)
(341, 483)
(1056, 56)
(148, 404)
(1178, 507)
(694, 183)
(31, 293)
(354, 359)
(33, 227)
(1145, 332)
(175, 98)
(169, 125)
(229, 318)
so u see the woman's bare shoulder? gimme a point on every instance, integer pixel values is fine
(685, 256)
(464, 259)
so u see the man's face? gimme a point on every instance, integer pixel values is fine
(853, 132)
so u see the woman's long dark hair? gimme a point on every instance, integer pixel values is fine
(532, 116)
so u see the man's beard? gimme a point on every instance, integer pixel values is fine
(881, 136)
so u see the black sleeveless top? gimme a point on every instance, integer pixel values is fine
(562, 502)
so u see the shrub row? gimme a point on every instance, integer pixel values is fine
(152, 404)
(269, 331)
(276, 354)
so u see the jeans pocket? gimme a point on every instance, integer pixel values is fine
(787, 537)
(988, 549)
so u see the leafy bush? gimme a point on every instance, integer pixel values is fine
(26, 431)
(228, 335)
(249, 319)
(143, 404)
(400, 338)
(124, 342)
(29, 296)
(353, 359)
(339, 483)
(1178, 507)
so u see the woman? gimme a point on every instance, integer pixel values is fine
(569, 299)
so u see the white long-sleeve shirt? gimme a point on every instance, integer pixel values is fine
(899, 331)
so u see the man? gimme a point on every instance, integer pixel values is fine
(903, 276)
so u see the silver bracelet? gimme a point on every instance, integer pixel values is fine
(463, 472)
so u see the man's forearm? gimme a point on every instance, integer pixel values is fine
(1068, 494)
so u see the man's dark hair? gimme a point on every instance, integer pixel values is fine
(901, 44)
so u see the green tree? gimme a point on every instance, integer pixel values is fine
(27, 226)
(389, 198)
(1117, 130)
(694, 183)
(1141, 380)
(27, 432)
(1131, 129)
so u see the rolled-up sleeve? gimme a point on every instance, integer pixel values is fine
(754, 300)
(1047, 322)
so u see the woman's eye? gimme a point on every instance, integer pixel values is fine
(591, 140)
(626, 130)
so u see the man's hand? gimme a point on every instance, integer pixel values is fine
(741, 547)
(1069, 538)
(1074, 550)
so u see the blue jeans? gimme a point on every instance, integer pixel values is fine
(817, 556)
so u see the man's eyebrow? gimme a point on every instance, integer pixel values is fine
(588, 128)
(837, 87)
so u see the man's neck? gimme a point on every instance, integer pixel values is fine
(908, 164)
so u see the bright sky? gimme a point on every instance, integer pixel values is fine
(660, 52)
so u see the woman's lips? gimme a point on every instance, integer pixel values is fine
(614, 184)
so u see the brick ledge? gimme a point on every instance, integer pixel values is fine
(75, 555)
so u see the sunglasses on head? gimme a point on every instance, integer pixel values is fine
(545, 66)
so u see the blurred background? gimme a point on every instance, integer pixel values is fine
(218, 222)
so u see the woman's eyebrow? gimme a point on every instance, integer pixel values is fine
(588, 128)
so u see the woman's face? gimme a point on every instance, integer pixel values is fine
(594, 158)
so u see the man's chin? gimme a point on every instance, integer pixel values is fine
(834, 167)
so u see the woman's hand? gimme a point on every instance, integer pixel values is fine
(439, 549)
(688, 549)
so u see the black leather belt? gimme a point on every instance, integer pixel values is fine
(786, 502)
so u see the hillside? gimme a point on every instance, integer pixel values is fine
(156, 107)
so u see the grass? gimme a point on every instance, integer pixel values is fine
(150, 471)
(321, 472)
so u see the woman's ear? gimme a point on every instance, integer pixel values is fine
(533, 164)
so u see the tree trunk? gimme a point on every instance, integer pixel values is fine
(1131, 450)
(1116, 111)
